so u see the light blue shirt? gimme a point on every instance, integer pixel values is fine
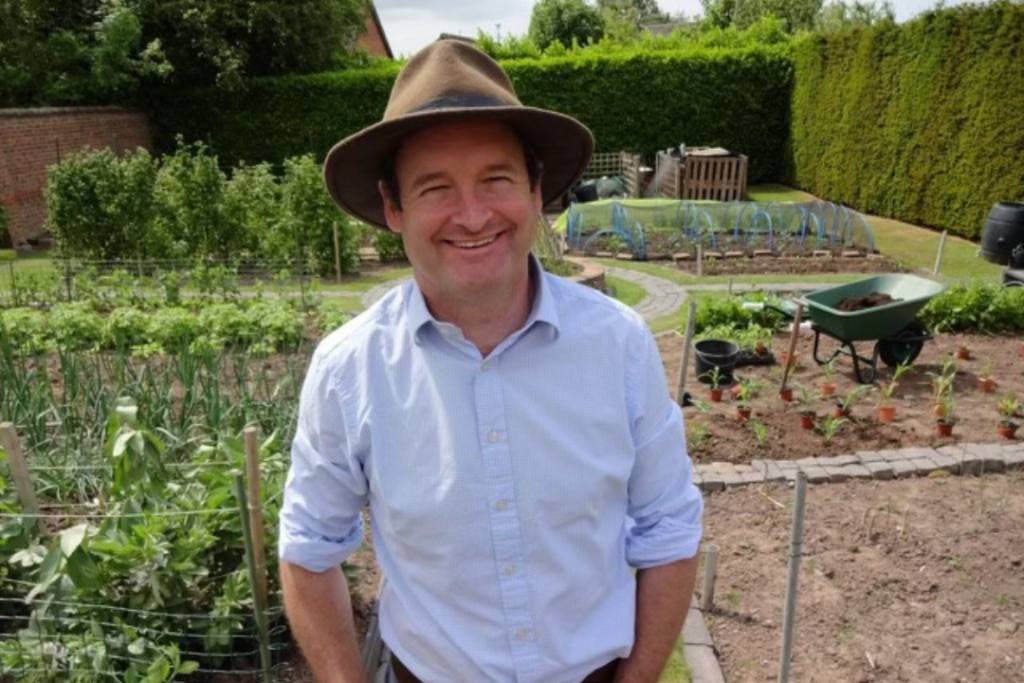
(509, 496)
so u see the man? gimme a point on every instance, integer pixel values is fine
(511, 432)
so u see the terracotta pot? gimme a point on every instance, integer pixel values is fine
(987, 384)
(963, 354)
(807, 420)
(743, 413)
(1020, 351)
(1008, 430)
(886, 414)
(785, 360)
(944, 428)
(786, 394)
(715, 395)
(839, 412)
(734, 391)
(827, 388)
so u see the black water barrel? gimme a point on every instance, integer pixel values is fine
(1003, 231)
(715, 353)
(586, 191)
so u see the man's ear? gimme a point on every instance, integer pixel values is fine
(392, 214)
(538, 193)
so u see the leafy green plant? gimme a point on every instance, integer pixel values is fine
(696, 435)
(714, 376)
(1007, 406)
(830, 426)
(760, 433)
(852, 396)
(887, 388)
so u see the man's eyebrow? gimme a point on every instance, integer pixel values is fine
(425, 179)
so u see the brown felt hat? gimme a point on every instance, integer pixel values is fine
(446, 81)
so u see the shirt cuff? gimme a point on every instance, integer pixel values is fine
(668, 541)
(318, 553)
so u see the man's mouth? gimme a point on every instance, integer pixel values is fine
(476, 244)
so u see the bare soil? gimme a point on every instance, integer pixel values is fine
(715, 434)
(910, 580)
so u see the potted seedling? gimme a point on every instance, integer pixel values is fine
(843, 407)
(714, 377)
(944, 424)
(1008, 406)
(807, 413)
(830, 427)
(886, 409)
(963, 351)
(760, 433)
(986, 380)
(828, 385)
(747, 389)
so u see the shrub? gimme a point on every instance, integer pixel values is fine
(125, 327)
(252, 207)
(174, 329)
(389, 245)
(99, 205)
(75, 326)
(976, 307)
(278, 325)
(188, 198)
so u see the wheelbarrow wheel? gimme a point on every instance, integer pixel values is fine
(904, 346)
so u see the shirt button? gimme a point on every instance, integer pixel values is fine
(510, 570)
(486, 366)
(501, 505)
(522, 634)
(493, 437)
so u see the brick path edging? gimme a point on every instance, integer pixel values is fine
(965, 458)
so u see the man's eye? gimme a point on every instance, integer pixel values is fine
(499, 178)
(432, 188)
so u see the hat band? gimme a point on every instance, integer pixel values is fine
(462, 101)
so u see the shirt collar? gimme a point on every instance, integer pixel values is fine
(543, 310)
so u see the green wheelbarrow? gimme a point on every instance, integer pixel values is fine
(898, 337)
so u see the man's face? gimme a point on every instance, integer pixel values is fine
(469, 215)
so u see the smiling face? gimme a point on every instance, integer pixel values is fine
(468, 212)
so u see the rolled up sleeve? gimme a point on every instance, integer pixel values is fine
(664, 503)
(321, 519)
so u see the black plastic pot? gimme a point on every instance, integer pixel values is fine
(1003, 232)
(715, 353)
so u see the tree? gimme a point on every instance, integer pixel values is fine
(838, 15)
(796, 15)
(639, 12)
(222, 41)
(564, 21)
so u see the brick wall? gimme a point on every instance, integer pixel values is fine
(32, 139)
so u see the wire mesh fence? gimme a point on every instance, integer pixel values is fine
(151, 579)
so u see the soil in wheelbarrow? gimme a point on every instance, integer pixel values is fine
(861, 303)
(915, 580)
(715, 434)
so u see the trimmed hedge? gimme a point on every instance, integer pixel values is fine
(634, 100)
(923, 122)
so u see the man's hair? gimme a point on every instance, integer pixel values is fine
(534, 169)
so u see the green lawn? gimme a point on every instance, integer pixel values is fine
(676, 670)
(777, 193)
(625, 291)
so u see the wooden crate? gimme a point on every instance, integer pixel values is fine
(611, 164)
(718, 178)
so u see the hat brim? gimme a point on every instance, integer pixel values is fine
(354, 166)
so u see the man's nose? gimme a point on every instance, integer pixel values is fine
(473, 212)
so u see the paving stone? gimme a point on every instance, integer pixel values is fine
(698, 480)
(806, 462)
(983, 449)
(981, 464)
(837, 474)
(869, 456)
(786, 465)
(857, 471)
(756, 477)
(880, 470)
(731, 479)
(744, 468)
(713, 482)
(830, 462)
(695, 632)
(816, 475)
(954, 450)
(844, 460)
(723, 467)
(1014, 461)
(893, 456)
(917, 452)
(924, 466)
(946, 462)
(902, 469)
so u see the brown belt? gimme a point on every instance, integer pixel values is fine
(605, 674)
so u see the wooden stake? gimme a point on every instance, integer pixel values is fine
(259, 607)
(700, 260)
(252, 475)
(19, 472)
(792, 344)
(681, 383)
(337, 254)
(938, 256)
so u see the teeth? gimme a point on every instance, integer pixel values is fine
(474, 245)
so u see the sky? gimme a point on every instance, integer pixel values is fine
(411, 24)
